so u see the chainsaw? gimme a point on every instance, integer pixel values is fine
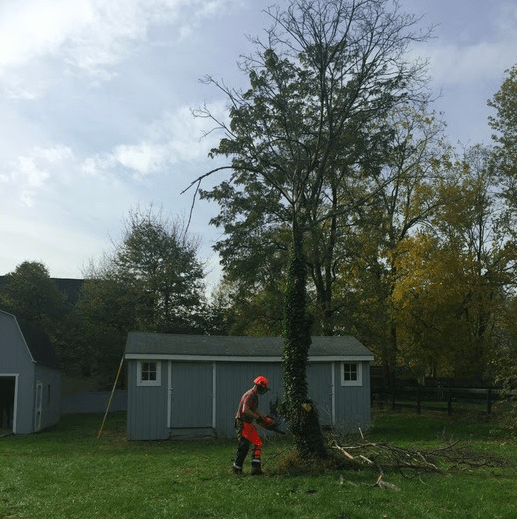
(272, 426)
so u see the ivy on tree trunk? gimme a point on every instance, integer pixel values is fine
(300, 412)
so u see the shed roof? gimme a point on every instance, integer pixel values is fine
(142, 345)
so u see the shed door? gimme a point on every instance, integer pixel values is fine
(191, 392)
(319, 378)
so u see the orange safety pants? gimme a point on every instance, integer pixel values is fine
(248, 435)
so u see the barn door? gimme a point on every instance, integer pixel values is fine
(191, 395)
(39, 406)
(7, 403)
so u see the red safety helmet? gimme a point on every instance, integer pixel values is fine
(262, 383)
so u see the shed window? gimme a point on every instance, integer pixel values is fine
(149, 373)
(351, 374)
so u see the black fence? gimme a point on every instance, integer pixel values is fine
(450, 399)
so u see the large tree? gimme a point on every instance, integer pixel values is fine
(29, 293)
(321, 86)
(452, 286)
(405, 195)
(151, 280)
(34, 297)
(505, 124)
(155, 264)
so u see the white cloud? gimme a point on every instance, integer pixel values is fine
(30, 173)
(22, 90)
(33, 28)
(467, 65)
(54, 155)
(507, 21)
(473, 60)
(87, 36)
(188, 137)
(144, 158)
(176, 137)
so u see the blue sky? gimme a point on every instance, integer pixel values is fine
(95, 99)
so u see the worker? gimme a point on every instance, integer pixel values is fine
(247, 433)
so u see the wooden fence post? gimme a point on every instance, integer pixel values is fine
(418, 400)
(449, 402)
(489, 402)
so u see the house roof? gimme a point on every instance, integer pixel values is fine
(141, 345)
(69, 287)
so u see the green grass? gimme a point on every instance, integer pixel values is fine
(67, 473)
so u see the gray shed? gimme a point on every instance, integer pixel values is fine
(188, 385)
(30, 380)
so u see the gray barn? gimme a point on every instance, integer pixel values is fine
(188, 385)
(30, 380)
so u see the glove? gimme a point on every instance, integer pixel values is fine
(267, 421)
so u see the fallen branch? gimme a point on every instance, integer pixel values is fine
(412, 462)
(384, 484)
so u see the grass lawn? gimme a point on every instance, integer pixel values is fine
(66, 472)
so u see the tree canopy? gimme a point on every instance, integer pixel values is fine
(29, 293)
(153, 275)
(151, 280)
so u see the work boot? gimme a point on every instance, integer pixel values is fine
(256, 469)
(236, 470)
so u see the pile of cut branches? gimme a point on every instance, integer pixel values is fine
(412, 462)
(359, 453)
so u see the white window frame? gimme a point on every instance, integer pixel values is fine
(157, 382)
(359, 380)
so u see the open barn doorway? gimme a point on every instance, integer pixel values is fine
(7, 397)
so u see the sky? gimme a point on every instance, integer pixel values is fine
(96, 104)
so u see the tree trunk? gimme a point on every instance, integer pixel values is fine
(300, 412)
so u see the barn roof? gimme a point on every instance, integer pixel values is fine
(37, 342)
(142, 345)
(39, 345)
